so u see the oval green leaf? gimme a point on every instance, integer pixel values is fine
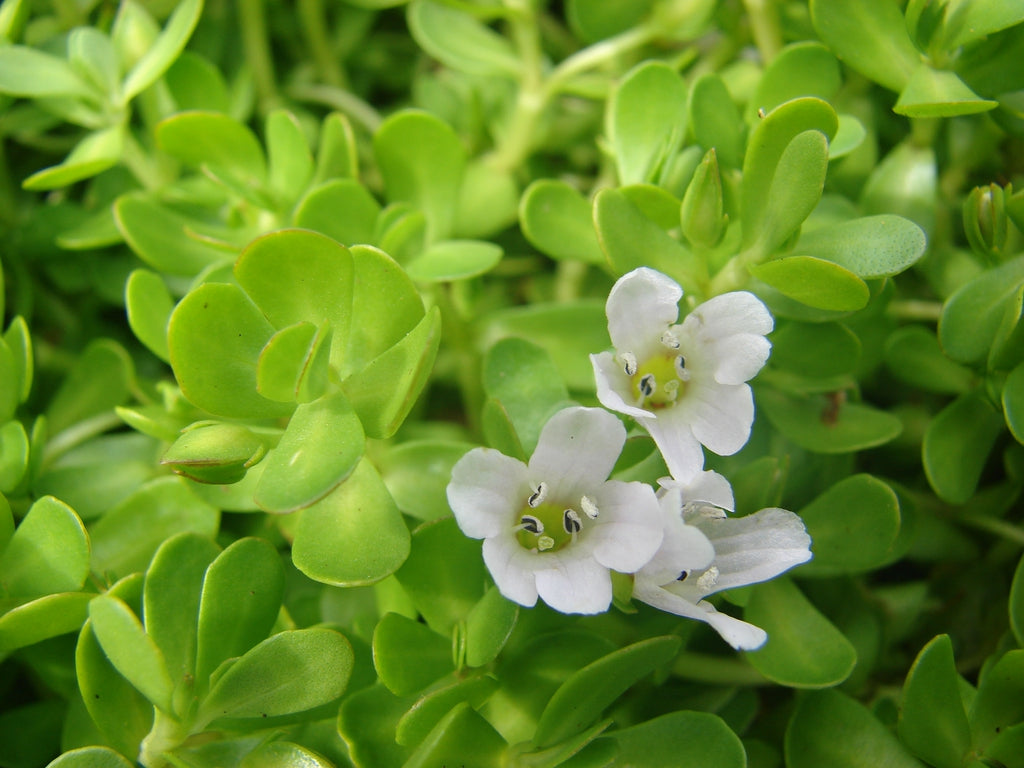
(957, 444)
(408, 655)
(557, 221)
(48, 553)
(815, 282)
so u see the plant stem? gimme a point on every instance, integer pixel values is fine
(314, 26)
(915, 309)
(339, 99)
(252, 18)
(1001, 528)
(764, 25)
(459, 335)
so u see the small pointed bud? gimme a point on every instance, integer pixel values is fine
(701, 216)
(214, 452)
(985, 220)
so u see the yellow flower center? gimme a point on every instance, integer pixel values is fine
(545, 526)
(660, 380)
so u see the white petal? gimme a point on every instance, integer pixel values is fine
(708, 487)
(512, 569)
(739, 634)
(675, 439)
(729, 314)
(683, 548)
(486, 492)
(641, 305)
(740, 357)
(628, 529)
(576, 450)
(613, 386)
(575, 583)
(720, 416)
(758, 547)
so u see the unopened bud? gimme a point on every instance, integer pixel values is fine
(701, 216)
(985, 220)
(213, 452)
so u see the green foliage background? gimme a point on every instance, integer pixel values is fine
(270, 269)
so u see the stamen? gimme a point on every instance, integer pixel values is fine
(707, 580)
(681, 372)
(647, 385)
(669, 340)
(682, 575)
(571, 521)
(532, 524)
(628, 363)
(671, 389)
(538, 496)
(589, 507)
(544, 543)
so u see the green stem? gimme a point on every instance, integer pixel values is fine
(1001, 528)
(8, 199)
(764, 25)
(144, 167)
(459, 336)
(78, 433)
(915, 309)
(314, 28)
(252, 19)
(706, 668)
(339, 99)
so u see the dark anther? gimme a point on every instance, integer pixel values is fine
(571, 521)
(532, 524)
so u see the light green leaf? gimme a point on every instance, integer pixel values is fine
(149, 306)
(421, 718)
(827, 424)
(295, 364)
(214, 452)
(340, 208)
(967, 22)
(165, 50)
(98, 151)
(454, 260)
(795, 189)
(92, 54)
(715, 120)
(957, 443)
(90, 757)
(557, 220)
(43, 618)
(869, 246)
(100, 380)
(416, 474)
(804, 648)
(801, 69)
(355, 535)
(463, 737)
(815, 282)
(971, 317)
(409, 656)
(14, 457)
(289, 159)
(488, 627)
(214, 140)
(939, 93)
(48, 553)
(336, 156)
(282, 754)
(461, 42)
(33, 74)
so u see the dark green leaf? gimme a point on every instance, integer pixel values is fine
(957, 443)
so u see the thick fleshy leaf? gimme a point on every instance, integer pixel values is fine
(1000, 699)
(462, 736)
(454, 260)
(869, 246)
(282, 754)
(795, 189)
(216, 141)
(801, 69)
(827, 423)
(671, 741)
(100, 379)
(1017, 603)
(933, 723)
(815, 282)
(488, 201)
(646, 120)
(829, 728)
(43, 618)
(488, 627)
(804, 648)
(409, 656)
(48, 553)
(861, 508)
(241, 598)
(336, 156)
(905, 182)
(416, 474)
(214, 452)
(458, 40)
(973, 21)
(289, 672)
(290, 163)
(149, 306)
(354, 535)
(581, 699)
(421, 718)
(939, 93)
(31, 73)
(957, 444)
(14, 456)
(367, 720)
(98, 151)
(971, 317)
(815, 350)
(165, 49)
(90, 757)
(196, 83)
(913, 354)
(319, 211)
(715, 120)
(295, 364)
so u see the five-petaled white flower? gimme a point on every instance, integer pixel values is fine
(705, 551)
(685, 383)
(556, 526)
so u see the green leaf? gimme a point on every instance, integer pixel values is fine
(289, 160)
(215, 141)
(281, 754)
(319, 211)
(631, 240)
(461, 42)
(149, 306)
(933, 723)
(804, 648)
(715, 120)
(163, 238)
(240, 601)
(444, 574)
(416, 475)
(861, 509)
(1017, 603)
(462, 737)
(957, 443)
(971, 317)
(826, 424)
(1013, 402)
(646, 120)
(488, 627)
(913, 354)
(43, 618)
(869, 36)
(595, 20)
(92, 55)
(98, 151)
(671, 741)
(295, 366)
(215, 337)
(132, 652)
(292, 671)
(967, 22)
(165, 50)
(454, 260)
(800, 69)
(488, 201)
(829, 728)
(90, 757)
(815, 282)
(336, 156)
(367, 721)
(795, 189)
(905, 182)
(939, 93)
(100, 380)
(815, 350)
(354, 535)
(214, 452)
(174, 583)
(384, 392)
(48, 553)
(33, 74)
(319, 449)
(196, 83)
(581, 699)
(421, 718)
(869, 246)
(14, 456)
(769, 142)
(126, 537)
(408, 656)
(422, 162)
(1000, 700)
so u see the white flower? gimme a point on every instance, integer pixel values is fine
(684, 383)
(554, 527)
(704, 551)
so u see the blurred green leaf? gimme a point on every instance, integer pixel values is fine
(957, 444)
(715, 120)
(488, 627)
(904, 182)
(454, 260)
(459, 41)
(319, 211)
(290, 162)
(98, 151)
(149, 306)
(1017, 603)
(971, 317)
(31, 73)
(100, 379)
(14, 456)
(165, 49)
(409, 656)
(90, 757)
(281, 754)
(557, 220)
(679, 740)
(800, 69)
(354, 535)
(1000, 700)
(828, 424)
(416, 474)
(336, 156)
(1013, 402)
(804, 648)
(815, 350)
(216, 141)
(967, 22)
(197, 84)
(933, 723)
(595, 20)
(488, 201)
(433, 705)
(913, 354)
(48, 552)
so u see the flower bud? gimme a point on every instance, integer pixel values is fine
(985, 220)
(213, 452)
(701, 214)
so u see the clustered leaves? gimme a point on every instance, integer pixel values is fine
(272, 270)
